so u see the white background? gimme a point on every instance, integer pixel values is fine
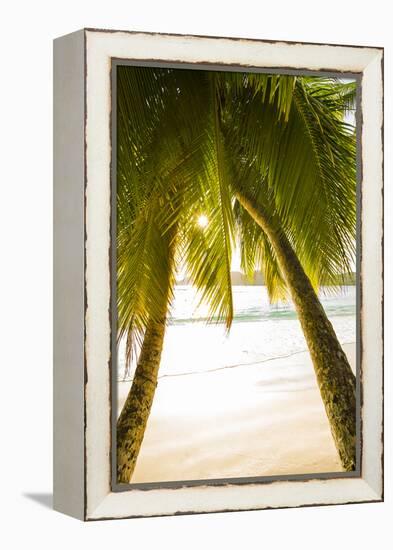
(26, 273)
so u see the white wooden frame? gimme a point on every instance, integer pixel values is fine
(82, 339)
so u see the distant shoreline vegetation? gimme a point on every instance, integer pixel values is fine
(240, 279)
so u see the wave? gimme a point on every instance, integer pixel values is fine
(255, 314)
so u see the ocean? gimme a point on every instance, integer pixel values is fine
(260, 331)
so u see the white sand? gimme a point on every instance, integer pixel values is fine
(264, 419)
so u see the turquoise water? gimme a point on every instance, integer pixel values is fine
(251, 303)
(260, 331)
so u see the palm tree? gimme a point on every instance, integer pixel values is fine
(168, 174)
(336, 381)
(193, 141)
(297, 184)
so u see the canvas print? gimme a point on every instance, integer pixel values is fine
(235, 280)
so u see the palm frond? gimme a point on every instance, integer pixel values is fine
(308, 163)
(257, 253)
(189, 140)
(165, 178)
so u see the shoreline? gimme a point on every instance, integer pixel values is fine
(236, 365)
(259, 419)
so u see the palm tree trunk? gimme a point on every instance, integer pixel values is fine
(132, 422)
(336, 381)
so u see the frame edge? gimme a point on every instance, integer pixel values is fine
(68, 288)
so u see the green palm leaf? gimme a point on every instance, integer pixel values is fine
(308, 163)
(165, 180)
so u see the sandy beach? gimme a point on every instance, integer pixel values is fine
(261, 419)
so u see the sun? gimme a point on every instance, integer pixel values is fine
(203, 220)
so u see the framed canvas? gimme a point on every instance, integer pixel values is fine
(218, 274)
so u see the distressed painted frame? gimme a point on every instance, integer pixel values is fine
(82, 206)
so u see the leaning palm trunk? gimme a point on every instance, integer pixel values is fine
(335, 378)
(132, 421)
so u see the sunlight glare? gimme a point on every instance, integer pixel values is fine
(202, 220)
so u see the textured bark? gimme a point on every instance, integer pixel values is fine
(336, 381)
(132, 421)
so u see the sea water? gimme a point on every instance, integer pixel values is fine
(260, 331)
